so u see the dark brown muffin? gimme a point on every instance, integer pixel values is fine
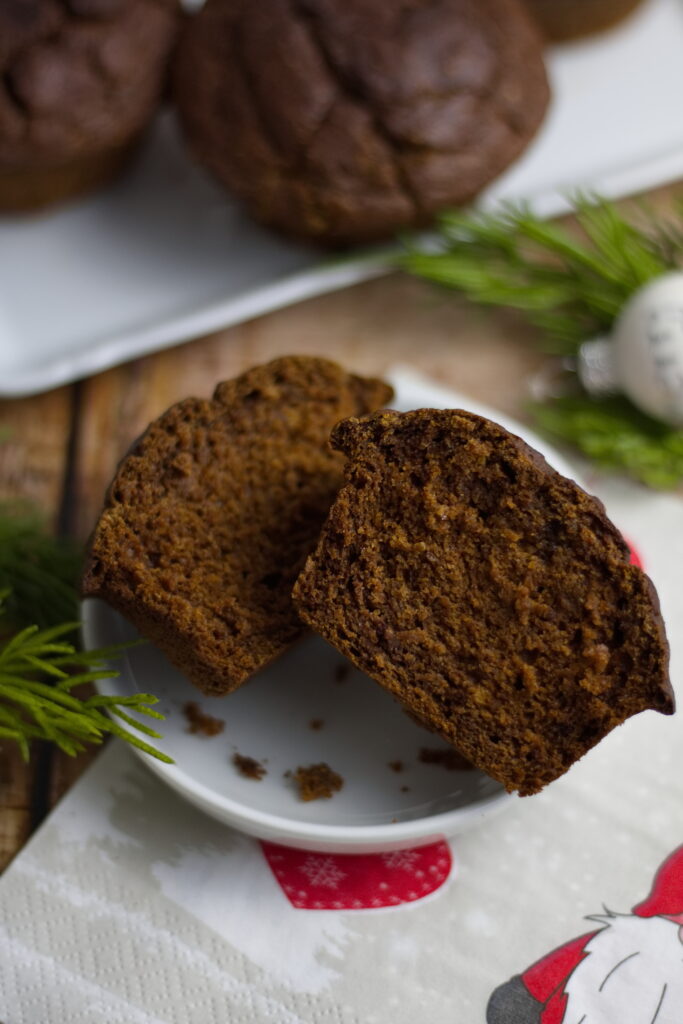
(79, 82)
(211, 515)
(488, 593)
(343, 122)
(568, 19)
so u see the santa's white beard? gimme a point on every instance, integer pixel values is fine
(632, 974)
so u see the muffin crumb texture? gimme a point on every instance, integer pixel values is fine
(211, 515)
(488, 593)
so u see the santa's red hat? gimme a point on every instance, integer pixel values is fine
(666, 895)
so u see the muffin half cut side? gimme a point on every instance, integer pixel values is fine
(488, 593)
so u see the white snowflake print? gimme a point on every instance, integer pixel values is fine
(404, 860)
(322, 871)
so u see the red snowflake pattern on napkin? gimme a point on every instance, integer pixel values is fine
(325, 881)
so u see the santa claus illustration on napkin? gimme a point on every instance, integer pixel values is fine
(629, 970)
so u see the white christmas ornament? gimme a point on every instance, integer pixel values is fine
(643, 357)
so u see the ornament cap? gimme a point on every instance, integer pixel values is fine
(596, 367)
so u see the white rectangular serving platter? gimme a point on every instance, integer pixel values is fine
(163, 255)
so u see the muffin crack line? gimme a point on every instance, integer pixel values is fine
(359, 96)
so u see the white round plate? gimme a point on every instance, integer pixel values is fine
(269, 718)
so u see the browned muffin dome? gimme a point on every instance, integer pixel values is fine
(211, 515)
(344, 121)
(79, 81)
(488, 593)
(568, 19)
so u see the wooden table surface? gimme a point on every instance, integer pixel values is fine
(63, 446)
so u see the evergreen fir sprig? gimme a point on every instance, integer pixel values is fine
(39, 571)
(37, 702)
(571, 284)
(616, 436)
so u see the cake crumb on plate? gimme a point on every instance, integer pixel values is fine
(316, 781)
(199, 722)
(249, 767)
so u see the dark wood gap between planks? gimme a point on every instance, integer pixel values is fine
(46, 756)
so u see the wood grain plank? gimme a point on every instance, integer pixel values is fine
(34, 440)
(16, 783)
(34, 444)
(66, 771)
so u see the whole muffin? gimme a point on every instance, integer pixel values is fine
(567, 19)
(345, 120)
(79, 82)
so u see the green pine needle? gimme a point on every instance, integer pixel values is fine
(38, 662)
(571, 285)
(36, 701)
(616, 435)
(39, 571)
